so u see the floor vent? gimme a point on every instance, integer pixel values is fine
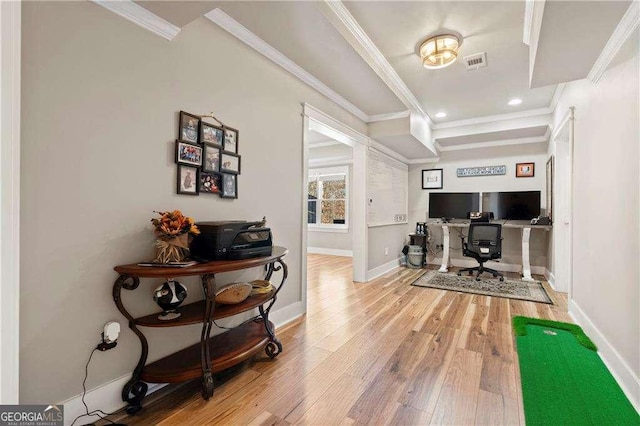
(474, 62)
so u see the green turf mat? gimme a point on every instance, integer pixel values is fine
(564, 381)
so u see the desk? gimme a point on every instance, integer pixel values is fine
(525, 225)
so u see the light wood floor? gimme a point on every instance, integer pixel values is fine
(382, 352)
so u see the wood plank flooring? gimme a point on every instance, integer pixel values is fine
(382, 352)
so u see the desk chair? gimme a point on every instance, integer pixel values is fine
(485, 243)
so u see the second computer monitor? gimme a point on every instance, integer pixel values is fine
(520, 205)
(453, 205)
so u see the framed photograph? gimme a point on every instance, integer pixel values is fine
(211, 134)
(432, 179)
(229, 186)
(188, 180)
(211, 158)
(550, 188)
(210, 183)
(187, 153)
(188, 127)
(230, 163)
(231, 140)
(525, 169)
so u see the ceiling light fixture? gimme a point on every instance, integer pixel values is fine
(439, 51)
(441, 115)
(515, 101)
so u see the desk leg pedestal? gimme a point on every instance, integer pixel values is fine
(445, 249)
(526, 264)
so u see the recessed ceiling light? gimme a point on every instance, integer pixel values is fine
(515, 101)
(441, 115)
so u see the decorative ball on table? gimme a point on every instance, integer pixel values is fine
(173, 231)
(169, 296)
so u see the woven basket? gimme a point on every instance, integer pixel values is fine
(233, 293)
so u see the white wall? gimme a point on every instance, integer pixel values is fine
(99, 114)
(509, 156)
(606, 240)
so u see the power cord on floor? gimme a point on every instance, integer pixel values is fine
(88, 413)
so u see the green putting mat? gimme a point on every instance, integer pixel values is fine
(564, 381)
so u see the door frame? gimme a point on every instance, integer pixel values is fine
(10, 57)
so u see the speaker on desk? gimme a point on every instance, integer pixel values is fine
(480, 216)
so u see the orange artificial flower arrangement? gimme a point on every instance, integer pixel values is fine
(172, 230)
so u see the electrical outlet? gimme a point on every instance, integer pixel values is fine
(386, 251)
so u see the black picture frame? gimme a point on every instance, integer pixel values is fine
(211, 134)
(232, 190)
(181, 182)
(231, 139)
(224, 163)
(210, 183)
(185, 150)
(427, 174)
(188, 127)
(209, 152)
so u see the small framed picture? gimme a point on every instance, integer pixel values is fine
(211, 134)
(188, 180)
(188, 127)
(210, 183)
(229, 186)
(230, 163)
(231, 140)
(525, 169)
(432, 179)
(211, 158)
(187, 153)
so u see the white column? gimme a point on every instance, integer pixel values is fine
(526, 264)
(445, 249)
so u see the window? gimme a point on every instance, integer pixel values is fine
(328, 198)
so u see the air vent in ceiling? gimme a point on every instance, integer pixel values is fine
(473, 62)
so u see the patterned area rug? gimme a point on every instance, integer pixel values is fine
(521, 290)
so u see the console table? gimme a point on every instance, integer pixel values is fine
(524, 225)
(211, 354)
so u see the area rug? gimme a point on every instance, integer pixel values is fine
(511, 289)
(564, 381)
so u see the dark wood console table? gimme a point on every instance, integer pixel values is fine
(211, 354)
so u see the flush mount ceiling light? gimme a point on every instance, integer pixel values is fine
(439, 51)
(441, 115)
(515, 101)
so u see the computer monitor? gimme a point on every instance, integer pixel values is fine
(453, 205)
(517, 205)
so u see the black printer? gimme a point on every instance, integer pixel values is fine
(233, 239)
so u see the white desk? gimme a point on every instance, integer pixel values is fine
(518, 224)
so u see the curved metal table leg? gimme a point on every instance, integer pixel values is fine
(208, 287)
(135, 389)
(274, 347)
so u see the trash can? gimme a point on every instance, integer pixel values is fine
(415, 257)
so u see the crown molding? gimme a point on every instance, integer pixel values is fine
(528, 21)
(492, 118)
(141, 17)
(491, 144)
(556, 96)
(390, 116)
(324, 144)
(424, 160)
(627, 25)
(372, 55)
(243, 34)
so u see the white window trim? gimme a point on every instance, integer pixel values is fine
(323, 227)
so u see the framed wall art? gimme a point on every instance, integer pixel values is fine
(210, 183)
(210, 134)
(481, 171)
(187, 153)
(231, 140)
(230, 163)
(188, 180)
(189, 127)
(229, 186)
(525, 169)
(432, 179)
(211, 158)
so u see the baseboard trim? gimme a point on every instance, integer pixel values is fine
(383, 269)
(551, 279)
(107, 397)
(499, 266)
(624, 375)
(332, 252)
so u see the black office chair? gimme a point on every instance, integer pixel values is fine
(485, 243)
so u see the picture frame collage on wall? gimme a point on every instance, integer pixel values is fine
(207, 157)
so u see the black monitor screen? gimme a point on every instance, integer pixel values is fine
(523, 205)
(453, 205)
